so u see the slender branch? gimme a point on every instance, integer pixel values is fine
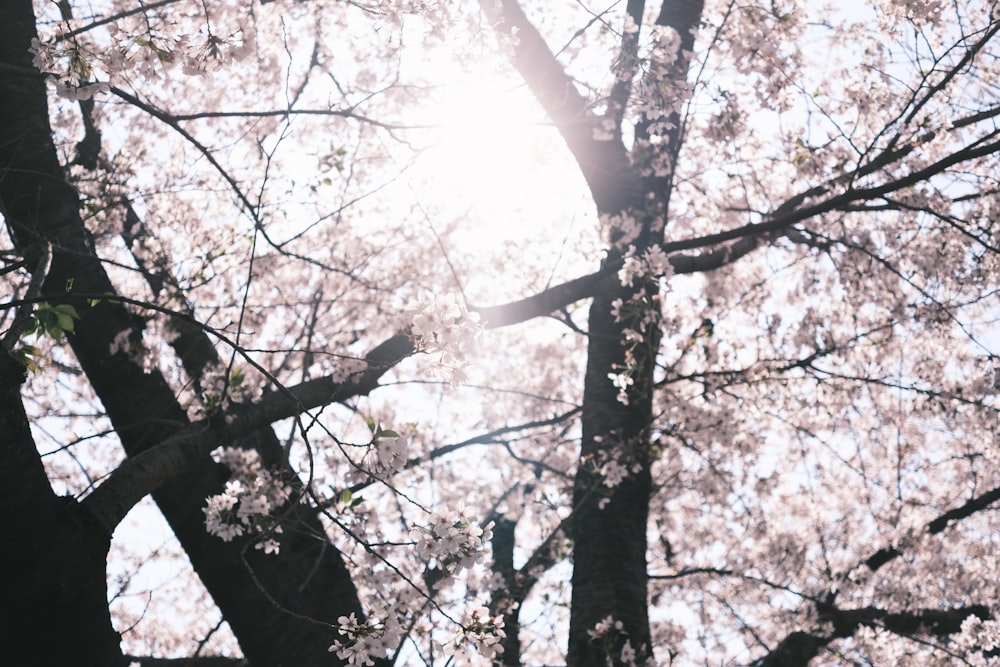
(173, 455)
(143, 7)
(284, 113)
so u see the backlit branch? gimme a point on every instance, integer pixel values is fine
(604, 164)
(172, 456)
(979, 503)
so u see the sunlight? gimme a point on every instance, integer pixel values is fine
(504, 175)
(485, 136)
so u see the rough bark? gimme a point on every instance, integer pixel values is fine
(54, 607)
(608, 528)
(309, 577)
(610, 524)
(504, 601)
(609, 540)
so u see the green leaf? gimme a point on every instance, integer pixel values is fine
(345, 496)
(31, 326)
(67, 309)
(65, 322)
(26, 355)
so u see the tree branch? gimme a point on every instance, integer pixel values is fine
(34, 287)
(604, 164)
(312, 394)
(206, 661)
(980, 502)
(799, 647)
(165, 462)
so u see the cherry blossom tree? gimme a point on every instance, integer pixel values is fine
(374, 333)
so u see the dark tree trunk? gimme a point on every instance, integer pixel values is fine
(609, 524)
(308, 577)
(54, 608)
(54, 557)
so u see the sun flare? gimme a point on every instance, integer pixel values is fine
(503, 175)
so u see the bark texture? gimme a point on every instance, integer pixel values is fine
(54, 608)
(610, 522)
(278, 607)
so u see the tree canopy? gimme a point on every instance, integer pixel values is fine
(519, 333)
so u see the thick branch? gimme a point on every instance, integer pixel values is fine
(604, 164)
(502, 601)
(980, 502)
(799, 647)
(167, 461)
(38, 204)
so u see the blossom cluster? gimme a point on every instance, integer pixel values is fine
(481, 633)
(622, 228)
(79, 69)
(762, 49)
(614, 466)
(614, 473)
(979, 638)
(609, 631)
(641, 314)
(377, 637)
(453, 539)
(622, 381)
(245, 507)
(443, 327)
(653, 262)
(221, 387)
(69, 69)
(386, 455)
(894, 13)
(661, 88)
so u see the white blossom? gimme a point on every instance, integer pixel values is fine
(453, 539)
(442, 327)
(613, 473)
(249, 497)
(365, 642)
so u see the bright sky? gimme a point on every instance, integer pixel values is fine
(496, 166)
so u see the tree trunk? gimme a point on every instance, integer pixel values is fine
(308, 577)
(54, 605)
(609, 523)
